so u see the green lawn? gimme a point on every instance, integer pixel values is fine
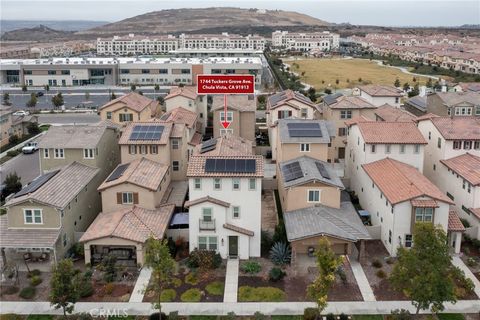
(450, 316)
(368, 317)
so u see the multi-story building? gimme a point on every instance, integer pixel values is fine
(225, 186)
(224, 41)
(380, 95)
(305, 41)
(454, 103)
(187, 98)
(134, 45)
(240, 114)
(129, 107)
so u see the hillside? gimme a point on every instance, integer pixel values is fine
(39, 33)
(63, 25)
(194, 20)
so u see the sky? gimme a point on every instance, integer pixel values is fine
(380, 12)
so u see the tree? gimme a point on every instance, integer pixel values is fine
(57, 100)
(161, 100)
(33, 128)
(6, 99)
(406, 86)
(415, 91)
(133, 87)
(327, 263)
(13, 184)
(424, 271)
(337, 81)
(24, 88)
(328, 91)
(312, 94)
(429, 83)
(158, 258)
(46, 87)
(397, 83)
(64, 286)
(33, 101)
(113, 96)
(140, 93)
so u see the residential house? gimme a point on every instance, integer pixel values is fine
(467, 86)
(94, 145)
(379, 95)
(43, 218)
(13, 125)
(454, 103)
(397, 196)
(225, 186)
(187, 98)
(240, 113)
(287, 104)
(337, 109)
(129, 107)
(390, 113)
(416, 105)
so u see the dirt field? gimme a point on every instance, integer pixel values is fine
(348, 72)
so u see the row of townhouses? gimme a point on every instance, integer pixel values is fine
(305, 41)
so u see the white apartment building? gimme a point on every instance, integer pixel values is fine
(225, 186)
(379, 95)
(132, 45)
(306, 41)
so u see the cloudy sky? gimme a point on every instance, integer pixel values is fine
(380, 12)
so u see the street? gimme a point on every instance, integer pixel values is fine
(68, 118)
(27, 166)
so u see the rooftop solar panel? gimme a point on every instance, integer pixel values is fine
(36, 184)
(208, 145)
(298, 133)
(323, 171)
(146, 132)
(303, 125)
(117, 173)
(292, 171)
(230, 165)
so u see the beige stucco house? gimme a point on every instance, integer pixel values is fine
(186, 97)
(13, 125)
(129, 107)
(240, 113)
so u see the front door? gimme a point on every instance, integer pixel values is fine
(233, 246)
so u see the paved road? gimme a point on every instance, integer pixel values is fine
(67, 118)
(27, 166)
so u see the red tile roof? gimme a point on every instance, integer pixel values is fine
(466, 165)
(206, 199)
(196, 139)
(421, 203)
(134, 101)
(458, 128)
(187, 92)
(400, 182)
(181, 115)
(351, 102)
(475, 211)
(454, 222)
(381, 91)
(238, 229)
(391, 132)
(387, 112)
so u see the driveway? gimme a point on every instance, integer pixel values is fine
(27, 166)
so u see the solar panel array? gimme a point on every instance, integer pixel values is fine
(208, 145)
(146, 132)
(277, 97)
(230, 165)
(292, 171)
(36, 184)
(301, 129)
(323, 171)
(117, 173)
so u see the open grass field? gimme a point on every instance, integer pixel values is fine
(321, 72)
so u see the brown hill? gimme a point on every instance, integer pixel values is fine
(39, 33)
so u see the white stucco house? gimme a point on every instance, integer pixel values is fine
(225, 185)
(379, 95)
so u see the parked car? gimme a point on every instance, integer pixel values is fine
(30, 147)
(39, 94)
(21, 113)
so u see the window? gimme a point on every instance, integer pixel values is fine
(346, 114)
(373, 148)
(304, 147)
(236, 212)
(154, 149)
(123, 117)
(423, 214)
(477, 110)
(408, 240)
(127, 198)
(229, 116)
(207, 214)
(197, 184)
(143, 149)
(402, 148)
(175, 165)
(88, 153)
(467, 145)
(66, 72)
(252, 184)
(145, 71)
(457, 144)
(109, 115)
(52, 72)
(46, 153)
(175, 143)
(416, 148)
(389, 236)
(163, 71)
(207, 243)
(388, 148)
(185, 71)
(342, 132)
(132, 149)
(429, 135)
(224, 132)
(64, 239)
(313, 196)
(217, 184)
(59, 154)
(236, 183)
(303, 113)
(439, 142)
(32, 216)
(476, 145)
(284, 114)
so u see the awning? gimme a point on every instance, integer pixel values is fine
(180, 218)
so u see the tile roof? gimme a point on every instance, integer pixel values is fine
(133, 223)
(418, 102)
(164, 138)
(381, 91)
(475, 211)
(390, 113)
(187, 92)
(196, 139)
(228, 145)
(400, 182)
(206, 199)
(284, 97)
(74, 136)
(181, 115)
(356, 120)
(427, 116)
(461, 128)
(285, 137)
(454, 98)
(424, 203)
(176, 193)
(454, 222)
(342, 223)
(350, 102)
(196, 166)
(238, 229)
(178, 130)
(390, 132)
(26, 237)
(141, 172)
(239, 102)
(466, 165)
(133, 101)
(470, 86)
(59, 190)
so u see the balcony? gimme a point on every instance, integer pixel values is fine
(207, 224)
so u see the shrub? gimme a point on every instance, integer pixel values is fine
(266, 242)
(390, 260)
(158, 316)
(34, 272)
(191, 295)
(381, 274)
(173, 315)
(310, 314)
(215, 288)
(168, 295)
(108, 265)
(206, 259)
(341, 274)
(450, 316)
(400, 314)
(276, 274)
(471, 262)
(251, 267)
(176, 282)
(330, 316)
(465, 222)
(280, 254)
(9, 290)
(230, 316)
(260, 294)
(377, 263)
(343, 316)
(259, 316)
(466, 250)
(35, 281)
(109, 288)
(27, 293)
(86, 288)
(280, 234)
(191, 278)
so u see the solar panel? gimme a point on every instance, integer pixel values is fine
(210, 165)
(303, 125)
(323, 171)
(250, 165)
(292, 171)
(308, 129)
(36, 184)
(208, 145)
(146, 132)
(117, 173)
(230, 165)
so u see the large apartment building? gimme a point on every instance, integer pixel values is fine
(305, 41)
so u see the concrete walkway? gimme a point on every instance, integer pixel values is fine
(362, 281)
(459, 263)
(231, 281)
(245, 308)
(140, 286)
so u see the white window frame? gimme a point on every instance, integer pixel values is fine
(250, 184)
(197, 184)
(175, 144)
(224, 132)
(402, 148)
(57, 152)
(388, 148)
(46, 153)
(132, 149)
(304, 113)
(210, 242)
(143, 149)
(210, 214)
(346, 114)
(236, 182)
(229, 116)
(236, 210)
(217, 181)
(304, 147)
(416, 148)
(373, 148)
(315, 191)
(423, 214)
(127, 197)
(33, 216)
(109, 115)
(176, 164)
(154, 149)
(89, 153)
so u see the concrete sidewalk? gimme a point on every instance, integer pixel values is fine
(459, 263)
(141, 285)
(362, 281)
(231, 281)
